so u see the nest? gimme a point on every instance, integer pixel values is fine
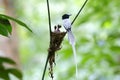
(55, 45)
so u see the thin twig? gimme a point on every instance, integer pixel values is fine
(50, 31)
(45, 67)
(79, 12)
(49, 18)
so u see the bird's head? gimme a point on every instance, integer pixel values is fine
(66, 16)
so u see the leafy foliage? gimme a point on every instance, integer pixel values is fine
(4, 72)
(5, 26)
(5, 30)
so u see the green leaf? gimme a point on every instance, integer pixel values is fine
(17, 21)
(6, 24)
(6, 60)
(3, 73)
(86, 58)
(115, 49)
(15, 72)
(110, 59)
(3, 30)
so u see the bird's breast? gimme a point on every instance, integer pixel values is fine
(67, 23)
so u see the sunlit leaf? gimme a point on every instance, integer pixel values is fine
(71, 71)
(86, 58)
(108, 58)
(17, 21)
(115, 48)
(84, 40)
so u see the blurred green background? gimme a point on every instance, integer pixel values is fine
(97, 36)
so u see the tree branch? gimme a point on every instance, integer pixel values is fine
(79, 12)
(45, 67)
(50, 32)
(49, 18)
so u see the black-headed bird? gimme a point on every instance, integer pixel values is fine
(67, 26)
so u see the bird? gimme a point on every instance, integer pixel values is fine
(67, 26)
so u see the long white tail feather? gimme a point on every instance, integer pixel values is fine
(71, 38)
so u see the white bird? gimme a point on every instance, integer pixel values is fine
(67, 26)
